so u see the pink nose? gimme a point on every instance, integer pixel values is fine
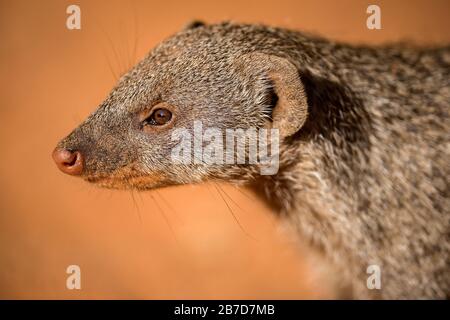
(70, 162)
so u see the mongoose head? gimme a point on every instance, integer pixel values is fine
(222, 76)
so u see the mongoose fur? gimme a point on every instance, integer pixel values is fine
(364, 151)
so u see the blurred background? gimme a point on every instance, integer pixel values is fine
(174, 243)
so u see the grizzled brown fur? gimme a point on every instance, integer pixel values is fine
(364, 159)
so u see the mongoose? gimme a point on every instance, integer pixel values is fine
(364, 141)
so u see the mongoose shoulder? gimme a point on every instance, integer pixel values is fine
(363, 152)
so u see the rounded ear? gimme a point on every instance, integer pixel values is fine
(194, 24)
(290, 108)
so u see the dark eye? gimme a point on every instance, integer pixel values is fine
(158, 117)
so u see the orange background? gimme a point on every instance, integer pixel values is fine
(180, 242)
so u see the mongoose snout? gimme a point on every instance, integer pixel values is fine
(70, 162)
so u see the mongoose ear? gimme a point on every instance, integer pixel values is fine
(194, 24)
(290, 107)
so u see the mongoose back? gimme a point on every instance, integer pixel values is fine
(364, 141)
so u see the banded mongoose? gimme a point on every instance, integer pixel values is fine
(364, 141)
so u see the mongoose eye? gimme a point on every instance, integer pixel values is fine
(158, 117)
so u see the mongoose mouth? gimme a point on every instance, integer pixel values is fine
(140, 182)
